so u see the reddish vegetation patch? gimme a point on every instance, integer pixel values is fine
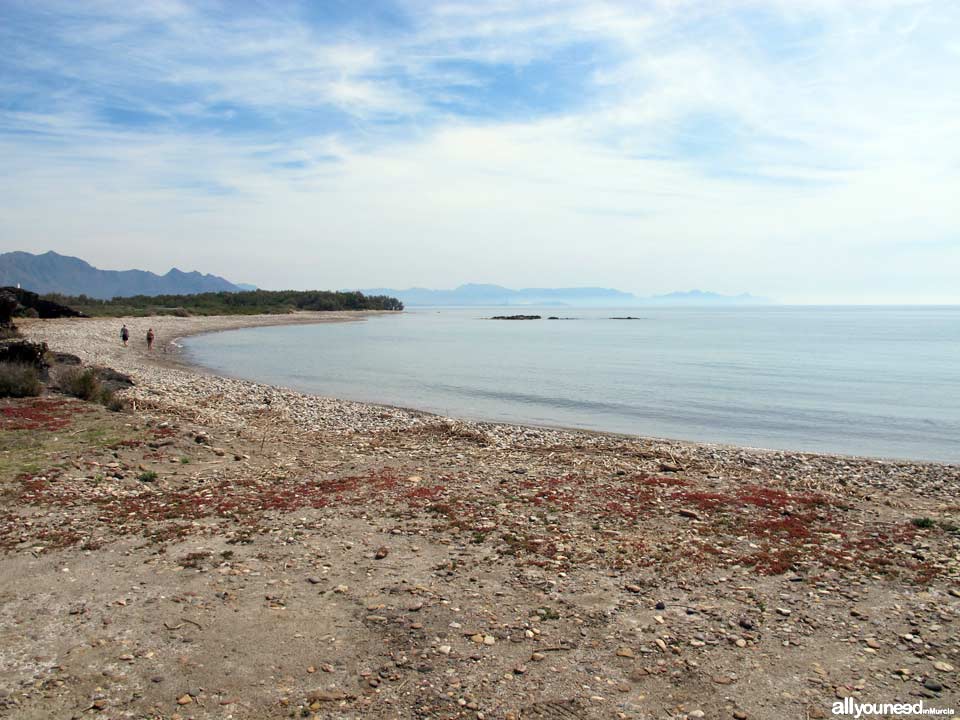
(538, 522)
(664, 481)
(418, 497)
(43, 414)
(704, 500)
(777, 499)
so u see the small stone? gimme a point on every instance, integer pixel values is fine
(537, 657)
(693, 515)
(444, 649)
(739, 715)
(740, 643)
(341, 589)
(381, 553)
(943, 666)
(625, 652)
(184, 700)
(633, 588)
(784, 612)
(478, 638)
(871, 643)
(932, 685)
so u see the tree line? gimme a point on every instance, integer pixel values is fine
(252, 302)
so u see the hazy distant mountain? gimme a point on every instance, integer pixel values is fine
(474, 295)
(54, 273)
(700, 297)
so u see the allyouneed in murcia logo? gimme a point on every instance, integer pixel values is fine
(849, 706)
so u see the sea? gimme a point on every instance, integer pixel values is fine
(872, 381)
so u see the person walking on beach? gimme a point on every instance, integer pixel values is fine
(124, 335)
(150, 337)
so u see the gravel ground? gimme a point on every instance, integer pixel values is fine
(231, 549)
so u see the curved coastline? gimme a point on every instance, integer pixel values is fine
(98, 348)
(276, 512)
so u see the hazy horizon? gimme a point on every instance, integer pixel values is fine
(804, 152)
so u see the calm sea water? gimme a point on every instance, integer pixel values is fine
(855, 380)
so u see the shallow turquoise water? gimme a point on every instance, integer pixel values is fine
(877, 381)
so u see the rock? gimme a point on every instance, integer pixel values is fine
(943, 666)
(516, 317)
(785, 612)
(184, 700)
(322, 696)
(874, 644)
(24, 352)
(444, 649)
(625, 652)
(381, 553)
(633, 588)
(739, 715)
(746, 623)
(62, 358)
(111, 380)
(932, 685)
(687, 513)
(17, 301)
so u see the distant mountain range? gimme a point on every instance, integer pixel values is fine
(492, 295)
(55, 273)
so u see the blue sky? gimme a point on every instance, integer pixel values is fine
(806, 150)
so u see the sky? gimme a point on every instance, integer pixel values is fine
(803, 150)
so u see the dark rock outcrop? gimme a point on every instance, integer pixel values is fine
(24, 352)
(17, 301)
(516, 317)
(112, 380)
(62, 358)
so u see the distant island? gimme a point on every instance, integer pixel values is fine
(55, 273)
(496, 295)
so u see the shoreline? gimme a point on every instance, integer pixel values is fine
(172, 356)
(186, 363)
(234, 549)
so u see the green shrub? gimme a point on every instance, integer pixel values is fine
(148, 476)
(19, 380)
(80, 383)
(85, 384)
(923, 522)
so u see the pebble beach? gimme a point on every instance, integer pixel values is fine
(226, 548)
